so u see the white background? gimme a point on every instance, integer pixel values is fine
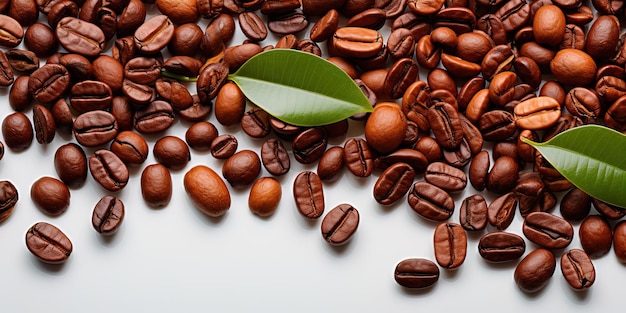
(177, 259)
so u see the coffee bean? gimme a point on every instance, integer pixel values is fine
(48, 243)
(340, 224)
(535, 270)
(264, 196)
(130, 147)
(619, 241)
(446, 125)
(156, 117)
(207, 191)
(578, 269)
(107, 215)
(473, 213)
(308, 193)
(309, 145)
(393, 183)
(242, 168)
(70, 163)
(50, 195)
(596, 236)
(8, 199)
(445, 177)
(95, 128)
(252, 26)
(90, 95)
(450, 243)
(154, 34)
(275, 158)
(108, 170)
(43, 121)
(48, 83)
(11, 32)
(385, 127)
(291, 22)
(80, 36)
(17, 131)
(416, 273)
(537, 113)
(172, 152)
(256, 123)
(357, 157)
(200, 135)
(430, 202)
(501, 211)
(547, 230)
(156, 185)
(224, 146)
(500, 246)
(357, 42)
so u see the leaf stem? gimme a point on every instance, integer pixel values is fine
(178, 76)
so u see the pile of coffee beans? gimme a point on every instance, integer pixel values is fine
(113, 79)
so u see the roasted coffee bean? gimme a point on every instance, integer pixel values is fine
(308, 194)
(50, 195)
(80, 36)
(186, 40)
(22, 60)
(619, 241)
(143, 70)
(357, 42)
(429, 148)
(63, 119)
(284, 130)
(325, 27)
(172, 152)
(224, 146)
(79, 67)
(156, 117)
(373, 18)
(107, 216)
(95, 128)
(291, 22)
(340, 224)
(430, 202)
(503, 175)
(473, 213)
(130, 18)
(40, 39)
(450, 244)
(575, 205)
(459, 19)
(207, 191)
(426, 53)
(17, 131)
(48, 243)
(401, 43)
(242, 168)
(416, 273)
(139, 94)
(108, 170)
(609, 211)
(385, 127)
(48, 83)
(264, 196)
(200, 135)
(70, 163)
(90, 95)
(583, 103)
(309, 145)
(230, 105)
(401, 75)
(111, 72)
(497, 125)
(61, 9)
(121, 109)
(11, 32)
(235, 56)
(602, 38)
(154, 34)
(197, 112)
(501, 246)
(275, 157)
(537, 113)
(43, 121)
(445, 177)
(548, 230)
(256, 123)
(19, 96)
(330, 164)
(8, 199)
(535, 270)
(501, 211)
(573, 67)
(393, 183)
(595, 236)
(577, 269)
(446, 125)
(358, 157)
(252, 26)
(156, 185)
(549, 25)
(130, 147)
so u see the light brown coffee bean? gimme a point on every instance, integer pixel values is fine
(264, 196)
(450, 242)
(156, 185)
(207, 191)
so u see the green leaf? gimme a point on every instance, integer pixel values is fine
(591, 157)
(300, 88)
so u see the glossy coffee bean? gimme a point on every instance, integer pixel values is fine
(130, 147)
(308, 193)
(501, 211)
(70, 163)
(501, 246)
(200, 135)
(242, 168)
(50, 195)
(446, 125)
(154, 34)
(48, 243)
(95, 128)
(43, 122)
(473, 213)
(107, 216)
(577, 269)
(357, 42)
(340, 224)
(309, 145)
(357, 157)
(430, 202)
(393, 183)
(17, 131)
(450, 244)
(172, 152)
(108, 170)
(416, 273)
(264, 196)
(445, 176)
(535, 270)
(596, 236)
(207, 190)
(275, 157)
(8, 199)
(548, 230)
(256, 123)
(48, 83)
(156, 185)
(79, 36)
(156, 117)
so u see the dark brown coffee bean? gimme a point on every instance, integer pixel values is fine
(123, 112)
(609, 211)
(48, 83)
(619, 241)
(503, 175)
(8, 199)
(358, 157)
(501, 246)
(70, 163)
(373, 18)
(19, 96)
(602, 38)
(340, 224)
(172, 152)
(80, 36)
(156, 185)
(547, 230)
(595, 236)
(235, 56)
(535, 270)
(107, 216)
(90, 95)
(224, 146)
(393, 183)
(22, 60)
(130, 147)
(200, 135)
(473, 213)
(416, 273)
(143, 70)
(308, 194)
(430, 202)
(577, 269)
(445, 177)
(501, 211)
(48, 243)
(108, 170)
(242, 168)
(256, 123)
(50, 195)
(154, 34)
(63, 118)
(575, 205)
(156, 117)
(11, 33)
(95, 128)
(497, 125)
(24, 11)
(17, 131)
(252, 26)
(43, 121)
(40, 39)
(446, 125)
(401, 43)
(450, 242)
(309, 145)
(275, 157)
(291, 22)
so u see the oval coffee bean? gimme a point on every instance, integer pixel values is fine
(446, 125)
(50, 195)
(70, 163)
(535, 270)
(156, 185)
(430, 201)
(393, 183)
(578, 269)
(172, 152)
(473, 213)
(596, 236)
(274, 157)
(308, 194)
(501, 246)
(154, 34)
(43, 121)
(107, 215)
(501, 211)
(79, 36)
(264, 196)
(358, 157)
(309, 145)
(537, 113)
(48, 243)
(108, 170)
(450, 243)
(340, 224)
(95, 128)
(48, 83)
(416, 273)
(130, 147)
(357, 42)
(242, 168)
(17, 131)
(548, 230)
(156, 117)
(207, 191)
(445, 176)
